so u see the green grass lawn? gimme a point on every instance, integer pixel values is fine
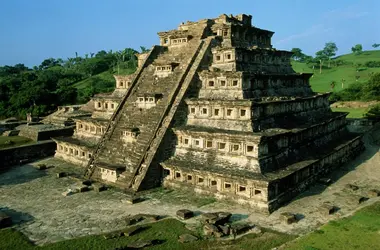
(15, 141)
(353, 112)
(166, 231)
(360, 231)
(321, 82)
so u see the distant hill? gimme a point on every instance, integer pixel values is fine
(350, 66)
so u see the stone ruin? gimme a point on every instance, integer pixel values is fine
(216, 109)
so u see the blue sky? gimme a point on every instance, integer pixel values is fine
(33, 30)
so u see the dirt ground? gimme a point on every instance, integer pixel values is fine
(34, 200)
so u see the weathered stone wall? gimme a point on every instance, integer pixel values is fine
(252, 60)
(13, 156)
(78, 155)
(238, 114)
(40, 135)
(286, 188)
(242, 190)
(257, 152)
(263, 195)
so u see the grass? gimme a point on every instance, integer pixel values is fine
(360, 231)
(353, 112)
(321, 82)
(12, 239)
(14, 141)
(105, 77)
(165, 231)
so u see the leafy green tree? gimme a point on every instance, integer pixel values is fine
(143, 49)
(373, 113)
(321, 57)
(376, 45)
(329, 51)
(357, 49)
(101, 54)
(297, 54)
(371, 90)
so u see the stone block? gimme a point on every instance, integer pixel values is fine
(134, 219)
(131, 198)
(255, 230)
(184, 214)
(61, 174)
(140, 244)
(113, 235)
(361, 199)
(351, 187)
(240, 228)
(225, 229)
(209, 229)
(288, 218)
(83, 189)
(87, 182)
(150, 217)
(327, 209)
(185, 238)
(132, 230)
(41, 167)
(218, 218)
(373, 193)
(98, 187)
(68, 192)
(5, 220)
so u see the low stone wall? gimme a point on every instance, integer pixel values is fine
(14, 156)
(360, 124)
(41, 135)
(295, 183)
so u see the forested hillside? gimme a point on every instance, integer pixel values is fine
(55, 82)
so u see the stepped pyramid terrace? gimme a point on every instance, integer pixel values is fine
(216, 109)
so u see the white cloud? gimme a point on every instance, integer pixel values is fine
(312, 31)
(328, 20)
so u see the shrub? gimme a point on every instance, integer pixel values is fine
(373, 113)
(372, 64)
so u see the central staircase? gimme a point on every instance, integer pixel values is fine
(137, 157)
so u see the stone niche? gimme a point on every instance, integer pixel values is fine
(70, 108)
(217, 143)
(105, 105)
(130, 135)
(123, 81)
(111, 173)
(174, 38)
(147, 100)
(164, 70)
(73, 153)
(89, 129)
(141, 58)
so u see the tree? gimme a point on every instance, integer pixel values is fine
(357, 49)
(321, 57)
(143, 49)
(373, 113)
(375, 45)
(330, 50)
(297, 54)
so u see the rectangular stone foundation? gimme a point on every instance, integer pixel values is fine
(265, 193)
